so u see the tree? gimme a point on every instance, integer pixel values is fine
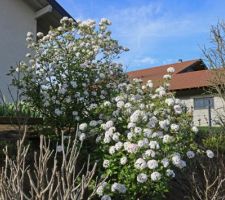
(69, 71)
(215, 56)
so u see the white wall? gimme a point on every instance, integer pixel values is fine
(201, 116)
(16, 19)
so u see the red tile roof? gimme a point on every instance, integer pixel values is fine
(189, 80)
(180, 80)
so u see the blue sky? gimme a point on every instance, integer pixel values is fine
(156, 31)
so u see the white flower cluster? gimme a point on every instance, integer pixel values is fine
(145, 133)
(69, 71)
(117, 187)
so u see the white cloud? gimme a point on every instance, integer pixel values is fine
(148, 24)
(169, 61)
(145, 60)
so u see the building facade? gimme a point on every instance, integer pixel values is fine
(17, 17)
(190, 82)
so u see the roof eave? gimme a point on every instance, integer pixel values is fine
(56, 6)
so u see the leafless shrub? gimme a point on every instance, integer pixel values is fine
(53, 175)
(204, 179)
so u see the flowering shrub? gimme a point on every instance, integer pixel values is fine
(69, 71)
(144, 136)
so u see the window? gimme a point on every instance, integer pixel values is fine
(203, 103)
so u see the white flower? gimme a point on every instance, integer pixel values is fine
(143, 143)
(152, 164)
(106, 163)
(167, 76)
(58, 112)
(30, 34)
(107, 103)
(28, 55)
(127, 105)
(73, 83)
(147, 132)
(168, 139)
(182, 164)
(100, 189)
(149, 153)
(123, 160)
(137, 130)
(93, 123)
(190, 154)
(154, 145)
(177, 109)
(142, 106)
(107, 140)
(141, 178)
(63, 20)
(164, 124)
(176, 159)
(152, 122)
(118, 145)
(175, 127)
(112, 150)
(155, 176)
(109, 124)
(40, 34)
(140, 164)
(117, 187)
(170, 70)
(98, 139)
(82, 136)
(209, 153)
(131, 147)
(161, 91)
(165, 162)
(149, 84)
(130, 135)
(194, 129)
(178, 162)
(106, 197)
(170, 101)
(131, 125)
(120, 104)
(83, 126)
(116, 136)
(135, 116)
(102, 76)
(60, 28)
(170, 173)
(104, 21)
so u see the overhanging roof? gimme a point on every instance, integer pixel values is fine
(51, 13)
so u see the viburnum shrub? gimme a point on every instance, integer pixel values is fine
(69, 71)
(144, 135)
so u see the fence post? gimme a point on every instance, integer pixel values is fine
(209, 112)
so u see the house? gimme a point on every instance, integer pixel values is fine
(190, 82)
(17, 17)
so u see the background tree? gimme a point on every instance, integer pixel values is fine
(215, 58)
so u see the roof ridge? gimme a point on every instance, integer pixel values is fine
(149, 68)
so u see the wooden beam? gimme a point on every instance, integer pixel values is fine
(43, 11)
